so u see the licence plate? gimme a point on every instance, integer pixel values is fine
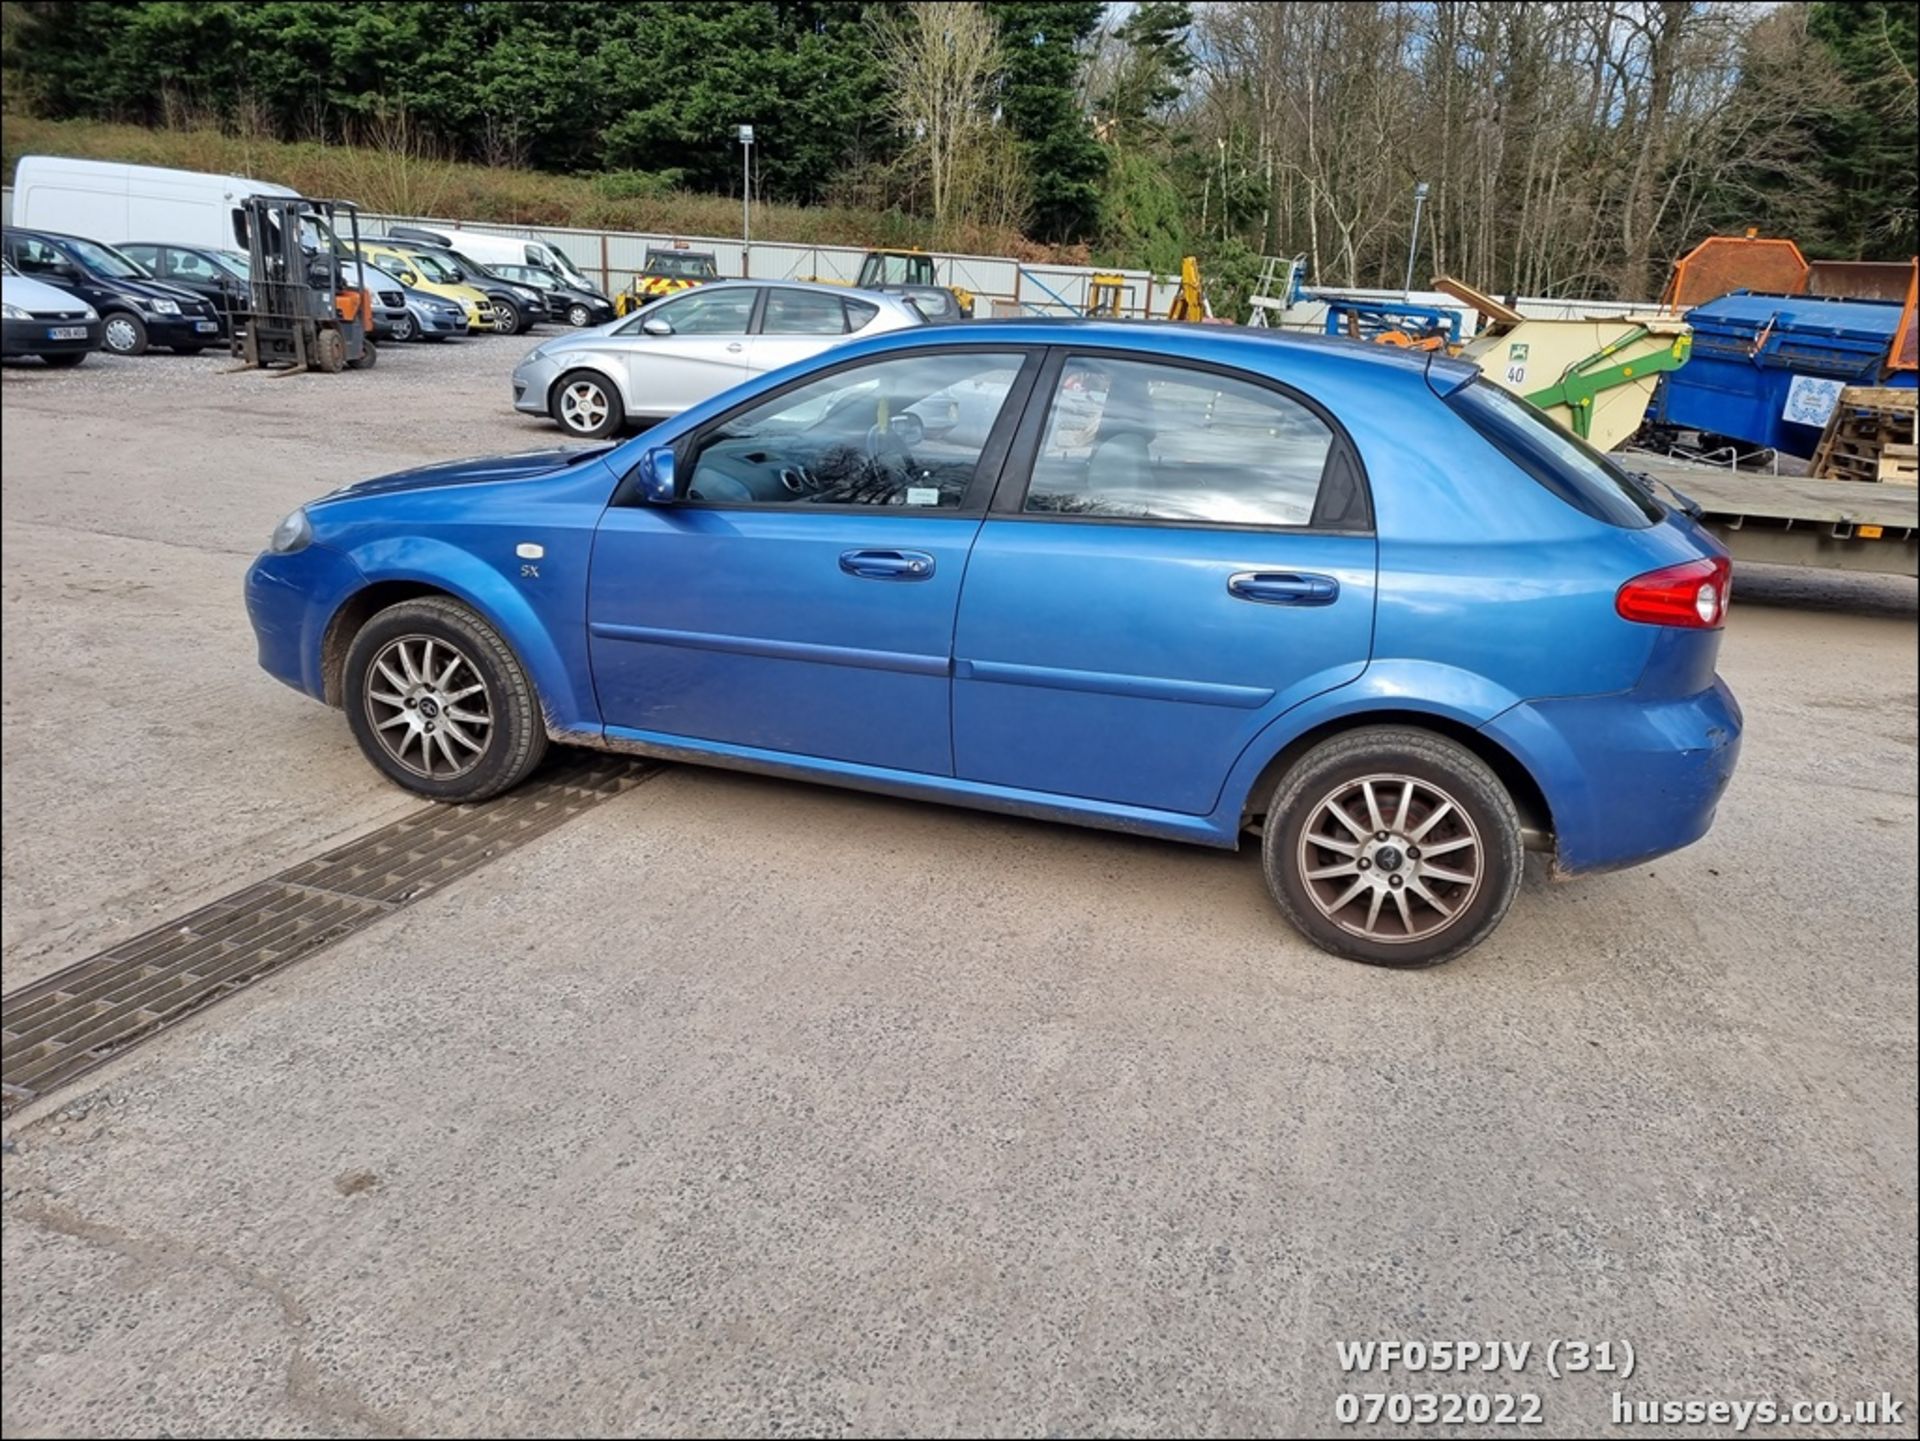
(67, 332)
(206, 327)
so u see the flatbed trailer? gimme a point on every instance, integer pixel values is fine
(1797, 520)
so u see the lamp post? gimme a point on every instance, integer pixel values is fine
(746, 195)
(1413, 241)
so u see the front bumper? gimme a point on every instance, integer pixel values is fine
(1626, 778)
(290, 600)
(33, 337)
(180, 329)
(532, 381)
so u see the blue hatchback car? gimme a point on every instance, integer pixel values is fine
(1187, 582)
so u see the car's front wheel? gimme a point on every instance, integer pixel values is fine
(587, 405)
(1393, 846)
(506, 318)
(62, 359)
(439, 703)
(578, 316)
(124, 334)
(405, 328)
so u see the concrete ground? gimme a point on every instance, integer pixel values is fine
(738, 1105)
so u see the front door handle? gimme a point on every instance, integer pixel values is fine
(735, 347)
(1277, 587)
(887, 564)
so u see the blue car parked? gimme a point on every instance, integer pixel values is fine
(1181, 581)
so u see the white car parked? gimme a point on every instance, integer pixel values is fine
(686, 347)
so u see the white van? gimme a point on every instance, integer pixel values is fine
(119, 203)
(491, 250)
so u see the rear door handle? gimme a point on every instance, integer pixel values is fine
(735, 347)
(887, 564)
(1277, 587)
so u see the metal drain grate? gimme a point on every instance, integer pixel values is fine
(67, 1023)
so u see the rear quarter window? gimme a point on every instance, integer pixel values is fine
(1563, 463)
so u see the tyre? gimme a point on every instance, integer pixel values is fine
(64, 359)
(405, 328)
(439, 703)
(329, 352)
(1392, 846)
(124, 333)
(506, 318)
(585, 404)
(186, 349)
(369, 354)
(578, 316)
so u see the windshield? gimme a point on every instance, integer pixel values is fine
(558, 260)
(436, 269)
(683, 267)
(105, 260)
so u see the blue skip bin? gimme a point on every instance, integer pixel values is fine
(1767, 369)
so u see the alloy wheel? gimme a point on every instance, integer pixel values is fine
(429, 706)
(583, 406)
(1391, 858)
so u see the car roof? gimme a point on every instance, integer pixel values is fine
(1227, 344)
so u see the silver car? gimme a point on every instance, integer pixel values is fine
(688, 346)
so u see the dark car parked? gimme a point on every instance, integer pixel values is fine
(216, 276)
(136, 311)
(516, 308)
(578, 308)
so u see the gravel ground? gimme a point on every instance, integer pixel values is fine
(743, 1106)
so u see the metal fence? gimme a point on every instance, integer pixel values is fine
(1001, 286)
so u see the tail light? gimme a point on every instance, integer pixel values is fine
(1692, 594)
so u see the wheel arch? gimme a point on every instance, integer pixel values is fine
(1536, 816)
(353, 613)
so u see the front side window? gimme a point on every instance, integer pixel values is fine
(436, 269)
(803, 312)
(1135, 440)
(185, 265)
(706, 312)
(905, 431)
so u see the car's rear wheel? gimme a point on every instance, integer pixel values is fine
(439, 703)
(124, 333)
(587, 405)
(1393, 846)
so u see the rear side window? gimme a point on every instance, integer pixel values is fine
(803, 312)
(859, 313)
(1563, 463)
(1132, 440)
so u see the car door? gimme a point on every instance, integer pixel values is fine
(797, 323)
(799, 597)
(1186, 554)
(190, 270)
(703, 353)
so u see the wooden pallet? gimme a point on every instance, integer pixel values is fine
(1869, 437)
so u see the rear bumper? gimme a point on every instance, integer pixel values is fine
(1626, 778)
(290, 599)
(29, 337)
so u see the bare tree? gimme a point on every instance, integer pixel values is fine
(941, 59)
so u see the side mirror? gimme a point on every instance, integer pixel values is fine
(908, 428)
(656, 476)
(656, 326)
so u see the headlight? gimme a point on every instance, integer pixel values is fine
(13, 312)
(162, 307)
(293, 533)
(526, 292)
(87, 312)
